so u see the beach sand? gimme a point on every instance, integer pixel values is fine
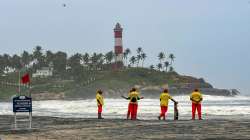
(51, 128)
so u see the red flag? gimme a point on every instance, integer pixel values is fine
(26, 79)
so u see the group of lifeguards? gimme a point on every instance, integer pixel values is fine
(134, 96)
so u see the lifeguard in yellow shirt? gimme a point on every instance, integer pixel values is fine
(133, 96)
(164, 97)
(196, 99)
(100, 103)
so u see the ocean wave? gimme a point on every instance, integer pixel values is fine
(148, 108)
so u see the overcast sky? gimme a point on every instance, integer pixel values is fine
(210, 38)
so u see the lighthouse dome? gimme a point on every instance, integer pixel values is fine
(118, 25)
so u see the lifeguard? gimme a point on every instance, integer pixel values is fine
(196, 99)
(100, 103)
(133, 104)
(164, 97)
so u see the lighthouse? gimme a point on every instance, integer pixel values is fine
(118, 46)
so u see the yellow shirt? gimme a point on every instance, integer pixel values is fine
(133, 96)
(99, 98)
(196, 96)
(164, 99)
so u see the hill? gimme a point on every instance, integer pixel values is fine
(114, 83)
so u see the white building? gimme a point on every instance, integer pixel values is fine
(44, 72)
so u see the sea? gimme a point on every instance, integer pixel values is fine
(215, 107)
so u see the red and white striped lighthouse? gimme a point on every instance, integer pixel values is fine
(118, 43)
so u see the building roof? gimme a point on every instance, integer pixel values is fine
(118, 26)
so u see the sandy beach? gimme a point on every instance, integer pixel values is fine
(51, 128)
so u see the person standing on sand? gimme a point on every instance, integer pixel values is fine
(196, 99)
(133, 104)
(164, 97)
(100, 103)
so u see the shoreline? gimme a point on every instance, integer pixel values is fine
(91, 128)
(118, 97)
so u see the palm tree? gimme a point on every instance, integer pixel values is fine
(1, 64)
(74, 60)
(100, 60)
(139, 50)
(172, 57)
(16, 62)
(161, 56)
(38, 55)
(86, 58)
(6, 61)
(138, 58)
(126, 53)
(109, 57)
(94, 59)
(151, 67)
(60, 62)
(159, 66)
(143, 57)
(49, 57)
(166, 64)
(171, 69)
(132, 60)
(25, 58)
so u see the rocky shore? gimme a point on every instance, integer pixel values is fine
(50, 128)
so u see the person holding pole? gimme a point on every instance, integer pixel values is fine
(164, 97)
(196, 98)
(100, 103)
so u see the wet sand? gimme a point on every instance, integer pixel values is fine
(51, 128)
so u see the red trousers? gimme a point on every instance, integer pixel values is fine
(194, 107)
(99, 109)
(129, 112)
(164, 110)
(132, 109)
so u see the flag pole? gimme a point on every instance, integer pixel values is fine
(29, 89)
(19, 82)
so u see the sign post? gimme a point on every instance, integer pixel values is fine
(22, 104)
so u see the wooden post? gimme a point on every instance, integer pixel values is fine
(176, 112)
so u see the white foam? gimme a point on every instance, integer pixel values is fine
(148, 108)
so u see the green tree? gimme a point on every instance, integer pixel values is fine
(171, 69)
(74, 60)
(126, 53)
(161, 56)
(60, 62)
(109, 57)
(132, 60)
(172, 57)
(151, 67)
(6, 61)
(26, 58)
(16, 62)
(138, 58)
(94, 59)
(139, 50)
(38, 55)
(1, 64)
(49, 58)
(76, 67)
(143, 57)
(159, 66)
(86, 58)
(166, 65)
(100, 61)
